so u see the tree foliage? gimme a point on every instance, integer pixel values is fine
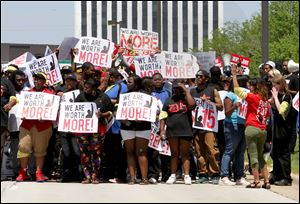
(245, 39)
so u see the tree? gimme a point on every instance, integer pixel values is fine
(245, 39)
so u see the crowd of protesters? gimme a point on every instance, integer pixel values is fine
(120, 154)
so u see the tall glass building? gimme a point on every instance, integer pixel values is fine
(184, 24)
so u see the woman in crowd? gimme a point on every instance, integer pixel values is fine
(136, 134)
(258, 113)
(176, 115)
(235, 143)
(91, 143)
(283, 119)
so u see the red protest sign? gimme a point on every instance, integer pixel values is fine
(245, 62)
(234, 58)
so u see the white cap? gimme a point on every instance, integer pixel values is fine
(271, 63)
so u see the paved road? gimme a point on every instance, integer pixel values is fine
(105, 192)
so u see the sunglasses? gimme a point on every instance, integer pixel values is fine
(200, 76)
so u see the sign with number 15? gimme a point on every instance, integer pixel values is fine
(205, 116)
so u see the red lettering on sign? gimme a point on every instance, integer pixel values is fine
(78, 125)
(99, 59)
(136, 113)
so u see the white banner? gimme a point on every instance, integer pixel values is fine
(147, 65)
(48, 65)
(94, 50)
(143, 42)
(137, 106)
(178, 65)
(21, 61)
(38, 105)
(296, 102)
(205, 116)
(70, 96)
(78, 117)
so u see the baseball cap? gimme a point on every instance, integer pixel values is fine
(71, 76)
(271, 63)
(40, 75)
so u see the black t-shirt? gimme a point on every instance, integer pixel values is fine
(294, 83)
(7, 90)
(101, 99)
(179, 117)
(282, 129)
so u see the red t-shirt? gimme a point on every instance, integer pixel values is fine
(258, 111)
(40, 126)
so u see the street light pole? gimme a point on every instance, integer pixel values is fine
(265, 31)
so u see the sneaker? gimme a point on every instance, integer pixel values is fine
(242, 182)
(226, 182)
(152, 180)
(171, 180)
(39, 176)
(187, 180)
(215, 180)
(114, 180)
(202, 179)
(22, 175)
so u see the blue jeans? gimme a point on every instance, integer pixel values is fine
(235, 146)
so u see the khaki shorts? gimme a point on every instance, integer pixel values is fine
(34, 140)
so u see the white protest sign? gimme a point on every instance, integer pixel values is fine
(155, 141)
(48, 65)
(14, 122)
(242, 110)
(165, 148)
(137, 106)
(206, 60)
(143, 42)
(78, 117)
(94, 50)
(70, 96)
(221, 114)
(21, 61)
(38, 105)
(147, 65)
(178, 65)
(296, 102)
(205, 116)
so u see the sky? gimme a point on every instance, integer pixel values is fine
(48, 22)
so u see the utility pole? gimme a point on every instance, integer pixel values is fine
(265, 31)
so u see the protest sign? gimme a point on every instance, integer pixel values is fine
(70, 96)
(205, 116)
(65, 47)
(48, 51)
(48, 65)
(143, 42)
(219, 63)
(94, 50)
(296, 102)
(178, 65)
(166, 150)
(38, 105)
(155, 141)
(137, 106)
(147, 65)
(245, 63)
(20, 61)
(78, 117)
(205, 60)
(242, 110)
(221, 114)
